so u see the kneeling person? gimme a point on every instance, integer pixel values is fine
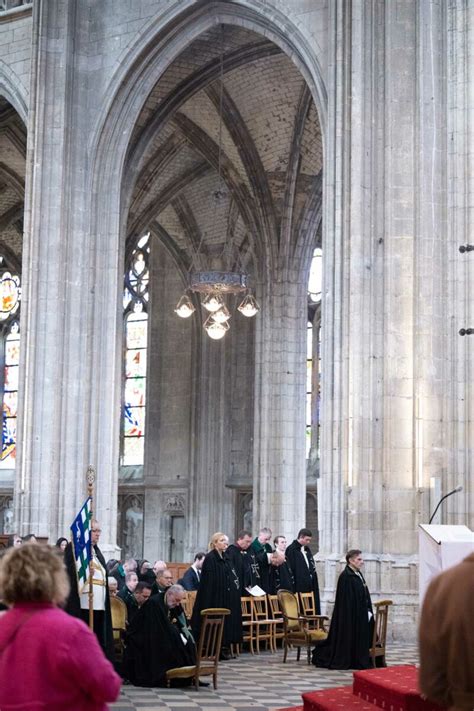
(158, 639)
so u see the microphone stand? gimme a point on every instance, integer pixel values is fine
(454, 491)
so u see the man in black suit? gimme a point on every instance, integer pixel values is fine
(192, 577)
(301, 561)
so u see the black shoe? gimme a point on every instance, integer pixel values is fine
(225, 655)
(203, 683)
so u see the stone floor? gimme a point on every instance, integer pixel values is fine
(250, 683)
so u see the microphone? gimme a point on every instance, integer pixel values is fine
(454, 491)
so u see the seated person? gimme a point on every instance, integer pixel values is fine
(131, 581)
(192, 577)
(158, 639)
(164, 579)
(112, 584)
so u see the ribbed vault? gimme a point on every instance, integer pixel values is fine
(268, 203)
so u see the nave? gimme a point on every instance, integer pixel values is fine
(252, 683)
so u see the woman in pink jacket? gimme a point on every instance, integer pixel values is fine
(48, 659)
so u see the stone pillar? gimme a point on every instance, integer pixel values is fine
(458, 411)
(71, 342)
(384, 250)
(279, 482)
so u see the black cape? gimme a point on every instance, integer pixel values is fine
(154, 644)
(219, 587)
(281, 578)
(246, 566)
(102, 620)
(349, 639)
(306, 579)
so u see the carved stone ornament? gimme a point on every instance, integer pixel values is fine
(175, 503)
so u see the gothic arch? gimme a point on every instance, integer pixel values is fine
(12, 88)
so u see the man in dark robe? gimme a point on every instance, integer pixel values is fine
(301, 561)
(219, 587)
(77, 602)
(281, 576)
(350, 634)
(164, 580)
(126, 593)
(158, 639)
(244, 561)
(134, 602)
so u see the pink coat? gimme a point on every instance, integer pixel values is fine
(53, 662)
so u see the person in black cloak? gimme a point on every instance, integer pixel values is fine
(350, 634)
(158, 639)
(281, 576)
(301, 561)
(220, 587)
(77, 603)
(244, 562)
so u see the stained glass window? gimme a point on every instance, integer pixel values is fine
(11, 363)
(135, 305)
(313, 377)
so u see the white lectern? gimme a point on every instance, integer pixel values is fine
(441, 547)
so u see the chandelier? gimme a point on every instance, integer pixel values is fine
(213, 286)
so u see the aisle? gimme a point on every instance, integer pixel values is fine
(257, 683)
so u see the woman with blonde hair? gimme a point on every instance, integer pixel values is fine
(48, 659)
(219, 587)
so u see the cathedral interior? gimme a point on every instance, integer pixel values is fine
(310, 159)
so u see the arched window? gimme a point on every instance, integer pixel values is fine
(10, 295)
(313, 361)
(135, 305)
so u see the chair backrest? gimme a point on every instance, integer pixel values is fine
(308, 605)
(246, 605)
(118, 611)
(210, 638)
(274, 606)
(289, 608)
(379, 639)
(188, 603)
(260, 607)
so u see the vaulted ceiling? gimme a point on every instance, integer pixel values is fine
(267, 149)
(12, 182)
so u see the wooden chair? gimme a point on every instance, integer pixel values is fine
(188, 603)
(275, 611)
(209, 648)
(264, 623)
(307, 603)
(248, 626)
(297, 627)
(118, 610)
(379, 639)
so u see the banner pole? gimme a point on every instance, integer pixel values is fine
(90, 476)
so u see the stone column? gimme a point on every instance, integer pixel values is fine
(279, 482)
(71, 345)
(458, 411)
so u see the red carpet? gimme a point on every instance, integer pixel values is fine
(340, 698)
(392, 689)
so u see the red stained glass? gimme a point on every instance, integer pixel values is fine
(135, 391)
(135, 363)
(10, 404)
(134, 425)
(11, 377)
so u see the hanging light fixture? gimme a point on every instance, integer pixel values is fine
(214, 285)
(185, 307)
(214, 329)
(249, 306)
